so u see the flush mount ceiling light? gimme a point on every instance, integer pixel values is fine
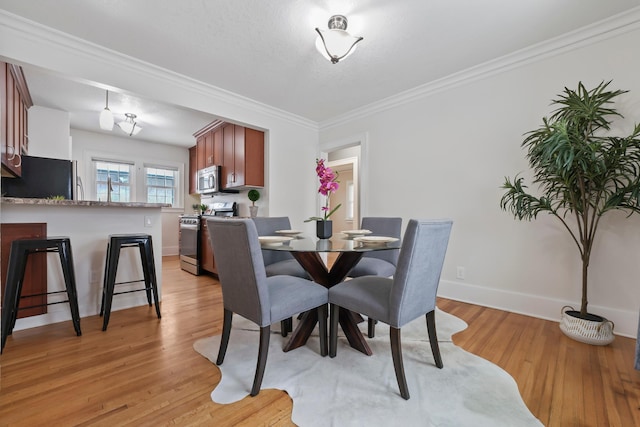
(106, 116)
(129, 125)
(336, 43)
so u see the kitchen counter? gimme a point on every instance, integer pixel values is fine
(54, 202)
(89, 224)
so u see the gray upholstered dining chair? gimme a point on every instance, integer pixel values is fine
(378, 263)
(278, 262)
(396, 301)
(248, 292)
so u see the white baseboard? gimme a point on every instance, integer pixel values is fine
(626, 321)
(170, 250)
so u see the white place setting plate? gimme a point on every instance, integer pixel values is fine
(352, 233)
(288, 232)
(375, 240)
(274, 240)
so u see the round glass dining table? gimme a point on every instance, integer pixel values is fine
(306, 250)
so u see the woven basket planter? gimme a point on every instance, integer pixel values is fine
(596, 332)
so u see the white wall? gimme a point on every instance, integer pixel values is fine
(446, 155)
(49, 133)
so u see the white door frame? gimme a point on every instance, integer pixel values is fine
(353, 161)
(361, 188)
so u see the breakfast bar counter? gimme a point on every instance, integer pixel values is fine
(88, 224)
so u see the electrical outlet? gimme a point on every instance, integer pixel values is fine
(147, 221)
(460, 271)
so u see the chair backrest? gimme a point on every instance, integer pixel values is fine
(267, 226)
(240, 268)
(381, 226)
(415, 283)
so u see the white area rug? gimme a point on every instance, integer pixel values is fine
(353, 389)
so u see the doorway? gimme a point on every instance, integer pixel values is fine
(348, 216)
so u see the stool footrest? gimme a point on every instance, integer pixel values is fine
(130, 281)
(42, 305)
(43, 293)
(133, 290)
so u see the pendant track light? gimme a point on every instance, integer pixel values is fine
(106, 116)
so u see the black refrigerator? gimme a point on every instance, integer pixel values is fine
(42, 178)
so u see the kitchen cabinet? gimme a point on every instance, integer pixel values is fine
(200, 153)
(208, 149)
(15, 100)
(209, 145)
(243, 157)
(35, 278)
(193, 170)
(207, 262)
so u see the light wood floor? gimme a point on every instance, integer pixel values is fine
(144, 372)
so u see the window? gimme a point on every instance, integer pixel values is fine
(161, 184)
(120, 174)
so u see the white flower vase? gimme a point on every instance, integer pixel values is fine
(253, 211)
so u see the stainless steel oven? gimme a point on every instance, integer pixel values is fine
(190, 243)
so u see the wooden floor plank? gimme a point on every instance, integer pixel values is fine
(144, 371)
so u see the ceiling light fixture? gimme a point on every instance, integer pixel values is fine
(106, 116)
(129, 125)
(336, 43)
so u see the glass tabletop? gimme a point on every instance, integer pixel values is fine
(338, 243)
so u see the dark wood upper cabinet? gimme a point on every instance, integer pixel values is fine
(243, 154)
(15, 100)
(238, 149)
(193, 170)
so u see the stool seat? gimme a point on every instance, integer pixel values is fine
(18, 255)
(116, 242)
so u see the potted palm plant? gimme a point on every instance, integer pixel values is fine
(582, 172)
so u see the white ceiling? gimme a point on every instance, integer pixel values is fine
(265, 50)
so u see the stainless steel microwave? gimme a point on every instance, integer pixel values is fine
(209, 180)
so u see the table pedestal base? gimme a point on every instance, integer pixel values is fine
(348, 320)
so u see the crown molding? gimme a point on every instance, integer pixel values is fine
(14, 26)
(590, 34)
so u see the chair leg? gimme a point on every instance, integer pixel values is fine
(110, 272)
(333, 330)
(265, 332)
(396, 353)
(322, 327)
(104, 280)
(433, 338)
(68, 271)
(152, 275)
(286, 326)
(371, 327)
(226, 331)
(11, 292)
(142, 247)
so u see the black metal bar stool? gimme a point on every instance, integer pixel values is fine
(19, 252)
(116, 243)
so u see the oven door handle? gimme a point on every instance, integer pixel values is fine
(189, 226)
